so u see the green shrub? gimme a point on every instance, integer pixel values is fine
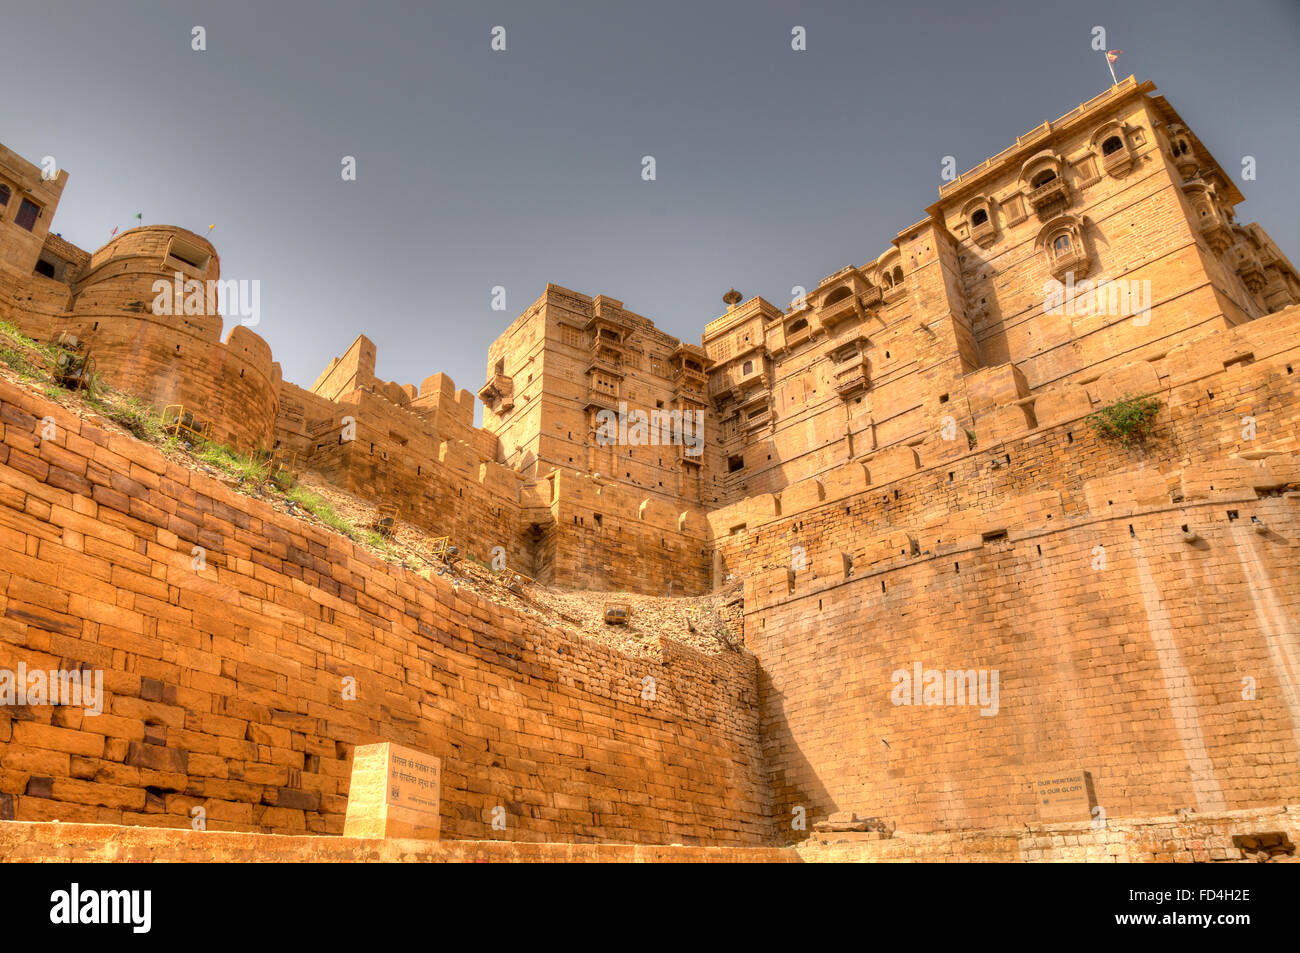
(249, 469)
(135, 415)
(1127, 421)
(320, 508)
(17, 359)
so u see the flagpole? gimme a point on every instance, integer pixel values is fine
(1111, 67)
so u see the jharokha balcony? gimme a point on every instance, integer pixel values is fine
(839, 311)
(1049, 195)
(1252, 273)
(1216, 231)
(498, 393)
(851, 374)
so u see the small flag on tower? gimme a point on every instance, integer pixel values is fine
(212, 226)
(113, 232)
(1111, 57)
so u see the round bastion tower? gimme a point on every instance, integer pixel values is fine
(149, 305)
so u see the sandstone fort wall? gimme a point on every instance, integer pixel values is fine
(224, 684)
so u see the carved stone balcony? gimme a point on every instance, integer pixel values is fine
(758, 417)
(984, 233)
(600, 399)
(1117, 162)
(605, 363)
(1049, 197)
(687, 378)
(1073, 261)
(797, 336)
(1251, 272)
(850, 373)
(872, 297)
(843, 310)
(498, 393)
(1186, 161)
(1217, 233)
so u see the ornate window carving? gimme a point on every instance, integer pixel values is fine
(1013, 209)
(1112, 146)
(1043, 184)
(891, 273)
(1181, 151)
(1207, 217)
(1246, 263)
(979, 217)
(1062, 240)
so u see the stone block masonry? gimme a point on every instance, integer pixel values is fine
(242, 688)
(898, 465)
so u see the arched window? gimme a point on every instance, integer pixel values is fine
(798, 326)
(898, 275)
(4, 195)
(748, 368)
(1047, 175)
(1112, 145)
(885, 281)
(1061, 244)
(838, 295)
(980, 217)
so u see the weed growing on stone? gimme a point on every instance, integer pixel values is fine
(248, 469)
(1127, 421)
(134, 415)
(318, 507)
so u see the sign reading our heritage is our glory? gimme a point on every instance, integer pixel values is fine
(412, 779)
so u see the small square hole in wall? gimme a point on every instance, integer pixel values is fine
(1232, 514)
(943, 398)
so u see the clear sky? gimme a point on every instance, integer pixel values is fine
(478, 168)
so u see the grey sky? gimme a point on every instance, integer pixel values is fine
(478, 168)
